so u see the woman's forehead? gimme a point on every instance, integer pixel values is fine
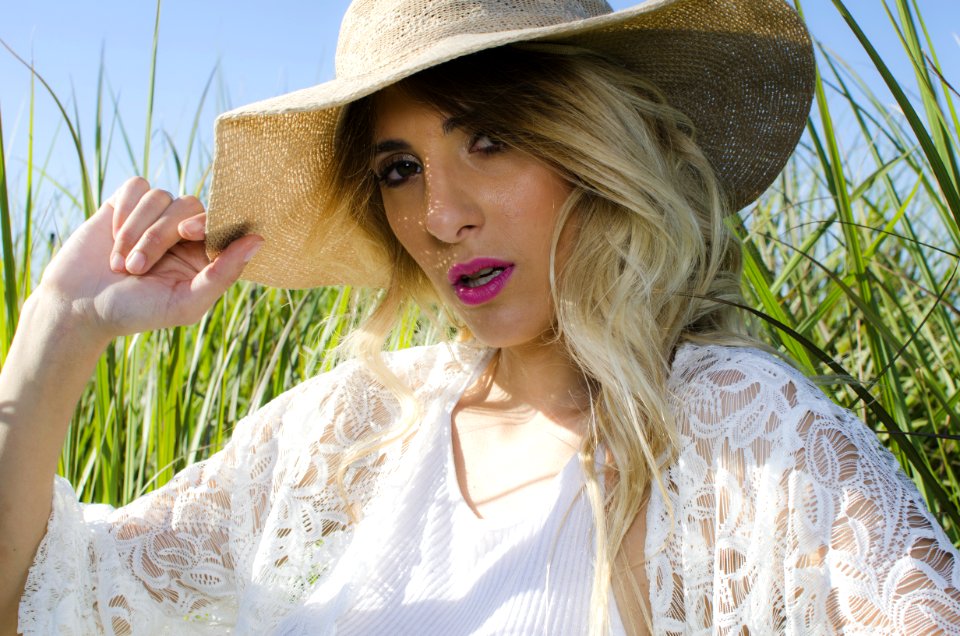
(397, 111)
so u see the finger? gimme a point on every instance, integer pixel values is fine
(214, 279)
(144, 213)
(163, 234)
(160, 235)
(125, 199)
(102, 218)
(194, 228)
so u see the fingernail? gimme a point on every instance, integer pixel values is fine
(135, 262)
(252, 252)
(116, 262)
(192, 226)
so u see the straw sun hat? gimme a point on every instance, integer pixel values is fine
(741, 70)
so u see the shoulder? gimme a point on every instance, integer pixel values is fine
(717, 374)
(708, 368)
(415, 366)
(744, 396)
(427, 366)
(753, 408)
(353, 396)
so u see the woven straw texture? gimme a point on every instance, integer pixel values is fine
(742, 71)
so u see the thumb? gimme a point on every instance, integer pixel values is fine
(214, 279)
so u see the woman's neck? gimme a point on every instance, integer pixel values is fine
(516, 428)
(541, 377)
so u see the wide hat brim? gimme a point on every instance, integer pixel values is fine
(743, 72)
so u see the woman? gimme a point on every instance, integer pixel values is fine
(586, 457)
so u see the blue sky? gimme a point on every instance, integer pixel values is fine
(262, 49)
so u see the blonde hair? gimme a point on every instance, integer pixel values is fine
(652, 263)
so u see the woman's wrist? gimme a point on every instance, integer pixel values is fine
(51, 331)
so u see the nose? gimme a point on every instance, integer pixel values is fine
(453, 211)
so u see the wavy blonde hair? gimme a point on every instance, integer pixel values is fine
(652, 263)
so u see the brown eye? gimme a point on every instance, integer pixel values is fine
(396, 170)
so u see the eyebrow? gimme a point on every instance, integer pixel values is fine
(392, 145)
(452, 123)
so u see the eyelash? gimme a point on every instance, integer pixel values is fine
(496, 145)
(395, 162)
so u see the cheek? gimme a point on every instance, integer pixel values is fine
(408, 229)
(404, 224)
(535, 206)
(400, 228)
(543, 190)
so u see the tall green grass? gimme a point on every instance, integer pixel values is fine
(851, 261)
(850, 267)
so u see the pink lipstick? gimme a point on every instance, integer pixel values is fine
(480, 280)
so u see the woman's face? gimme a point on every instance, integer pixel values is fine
(477, 216)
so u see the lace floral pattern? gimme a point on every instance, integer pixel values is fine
(787, 516)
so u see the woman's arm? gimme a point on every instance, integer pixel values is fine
(82, 303)
(867, 554)
(788, 515)
(47, 368)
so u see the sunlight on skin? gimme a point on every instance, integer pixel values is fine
(469, 197)
(455, 198)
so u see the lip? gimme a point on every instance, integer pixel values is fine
(485, 292)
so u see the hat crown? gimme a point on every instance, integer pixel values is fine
(378, 35)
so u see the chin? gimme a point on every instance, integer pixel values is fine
(509, 323)
(501, 338)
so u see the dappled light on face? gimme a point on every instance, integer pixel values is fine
(475, 214)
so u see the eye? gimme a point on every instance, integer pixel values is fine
(396, 169)
(486, 144)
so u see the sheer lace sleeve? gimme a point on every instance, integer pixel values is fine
(237, 543)
(179, 559)
(789, 516)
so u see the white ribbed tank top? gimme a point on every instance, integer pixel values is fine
(440, 570)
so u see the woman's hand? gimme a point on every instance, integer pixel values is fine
(139, 264)
(160, 276)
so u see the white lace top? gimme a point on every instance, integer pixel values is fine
(788, 517)
(437, 570)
